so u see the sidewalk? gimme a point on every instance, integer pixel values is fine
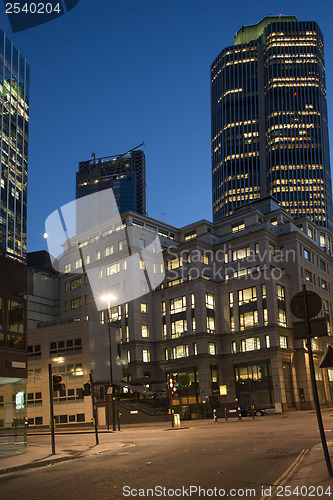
(40, 455)
(312, 472)
(306, 478)
(82, 443)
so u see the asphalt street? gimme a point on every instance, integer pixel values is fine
(239, 457)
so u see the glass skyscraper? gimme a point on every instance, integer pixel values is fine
(269, 120)
(14, 104)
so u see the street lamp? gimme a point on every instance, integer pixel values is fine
(108, 299)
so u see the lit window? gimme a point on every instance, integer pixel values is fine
(122, 245)
(113, 269)
(248, 320)
(250, 344)
(210, 324)
(75, 303)
(307, 275)
(210, 301)
(283, 341)
(175, 263)
(68, 268)
(241, 253)
(178, 328)
(145, 356)
(195, 349)
(205, 259)
(144, 307)
(144, 331)
(178, 305)
(267, 341)
(247, 295)
(78, 263)
(108, 250)
(238, 226)
(190, 235)
(212, 348)
(143, 265)
(180, 351)
(233, 347)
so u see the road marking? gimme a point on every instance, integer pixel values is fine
(286, 475)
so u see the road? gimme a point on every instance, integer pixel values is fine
(227, 455)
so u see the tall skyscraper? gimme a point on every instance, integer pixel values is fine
(269, 120)
(125, 174)
(14, 104)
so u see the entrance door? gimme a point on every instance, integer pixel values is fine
(288, 385)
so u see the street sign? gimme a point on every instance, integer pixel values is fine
(223, 390)
(318, 328)
(313, 304)
(109, 391)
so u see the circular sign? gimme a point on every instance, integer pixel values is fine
(313, 304)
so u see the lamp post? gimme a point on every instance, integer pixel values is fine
(108, 299)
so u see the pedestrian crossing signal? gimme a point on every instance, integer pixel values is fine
(56, 383)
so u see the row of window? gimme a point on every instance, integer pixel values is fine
(182, 351)
(311, 257)
(59, 419)
(253, 344)
(122, 245)
(311, 277)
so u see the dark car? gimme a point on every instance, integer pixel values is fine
(246, 411)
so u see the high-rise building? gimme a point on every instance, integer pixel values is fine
(14, 105)
(14, 108)
(125, 174)
(269, 120)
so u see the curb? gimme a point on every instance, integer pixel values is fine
(40, 463)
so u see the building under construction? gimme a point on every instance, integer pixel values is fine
(125, 174)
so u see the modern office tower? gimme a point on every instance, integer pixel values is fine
(14, 105)
(269, 120)
(125, 174)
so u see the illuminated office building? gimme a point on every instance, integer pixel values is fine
(14, 105)
(269, 120)
(125, 174)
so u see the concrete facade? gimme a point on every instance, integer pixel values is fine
(221, 315)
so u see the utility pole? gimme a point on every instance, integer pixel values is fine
(93, 406)
(314, 384)
(113, 409)
(51, 409)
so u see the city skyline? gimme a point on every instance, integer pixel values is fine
(158, 104)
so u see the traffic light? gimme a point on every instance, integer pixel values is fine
(56, 383)
(173, 383)
(86, 389)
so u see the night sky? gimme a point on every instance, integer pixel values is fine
(112, 74)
